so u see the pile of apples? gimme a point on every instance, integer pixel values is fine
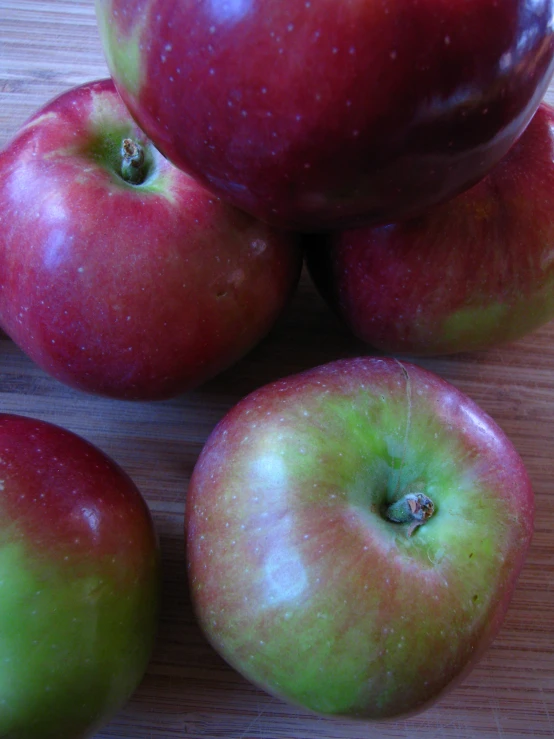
(353, 533)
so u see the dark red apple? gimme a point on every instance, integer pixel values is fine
(79, 583)
(316, 114)
(120, 274)
(354, 534)
(471, 273)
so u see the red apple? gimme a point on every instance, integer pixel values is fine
(79, 583)
(119, 274)
(354, 534)
(476, 271)
(331, 114)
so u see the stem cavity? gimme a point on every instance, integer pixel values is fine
(132, 162)
(413, 508)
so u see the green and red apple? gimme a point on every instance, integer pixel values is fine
(354, 535)
(79, 583)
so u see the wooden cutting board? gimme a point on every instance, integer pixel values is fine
(47, 47)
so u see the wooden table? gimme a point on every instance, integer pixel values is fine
(46, 47)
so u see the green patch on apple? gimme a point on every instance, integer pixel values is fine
(123, 51)
(58, 661)
(472, 326)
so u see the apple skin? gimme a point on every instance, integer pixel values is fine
(79, 583)
(471, 273)
(319, 115)
(298, 579)
(128, 290)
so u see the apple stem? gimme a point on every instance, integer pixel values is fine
(412, 508)
(132, 162)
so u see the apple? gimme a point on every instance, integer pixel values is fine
(120, 274)
(469, 274)
(79, 583)
(317, 115)
(354, 534)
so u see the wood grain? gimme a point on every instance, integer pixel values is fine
(46, 47)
